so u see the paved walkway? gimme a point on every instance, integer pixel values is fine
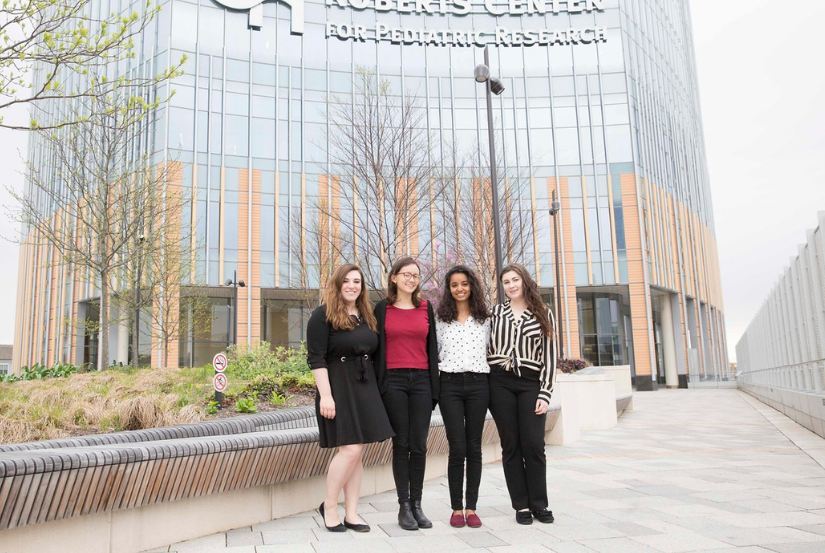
(688, 470)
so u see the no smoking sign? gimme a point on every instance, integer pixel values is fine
(219, 382)
(219, 362)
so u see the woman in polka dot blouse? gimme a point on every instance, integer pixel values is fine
(463, 331)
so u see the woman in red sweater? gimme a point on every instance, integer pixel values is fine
(406, 368)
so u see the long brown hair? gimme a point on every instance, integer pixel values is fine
(531, 295)
(447, 308)
(392, 288)
(337, 307)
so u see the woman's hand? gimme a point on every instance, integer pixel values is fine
(541, 407)
(327, 407)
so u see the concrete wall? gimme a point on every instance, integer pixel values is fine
(806, 408)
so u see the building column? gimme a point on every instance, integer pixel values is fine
(122, 351)
(641, 319)
(668, 342)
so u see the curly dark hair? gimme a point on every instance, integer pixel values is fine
(447, 308)
(531, 295)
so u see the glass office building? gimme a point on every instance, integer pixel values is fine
(601, 107)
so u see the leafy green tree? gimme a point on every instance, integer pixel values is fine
(49, 47)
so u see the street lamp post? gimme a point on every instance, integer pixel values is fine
(555, 207)
(493, 86)
(235, 283)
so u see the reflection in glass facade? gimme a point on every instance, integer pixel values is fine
(606, 115)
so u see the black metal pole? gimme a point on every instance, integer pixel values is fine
(235, 308)
(493, 181)
(554, 211)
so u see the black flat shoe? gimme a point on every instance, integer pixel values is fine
(543, 515)
(357, 527)
(339, 528)
(524, 517)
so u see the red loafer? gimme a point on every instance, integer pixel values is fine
(473, 521)
(457, 521)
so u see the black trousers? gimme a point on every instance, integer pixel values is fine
(513, 405)
(409, 404)
(464, 398)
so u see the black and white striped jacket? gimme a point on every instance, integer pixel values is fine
(516, 347)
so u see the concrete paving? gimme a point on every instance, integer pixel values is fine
(686, 471)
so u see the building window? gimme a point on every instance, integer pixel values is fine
(207, 328)
(5, 368)
(91, 334)
(601, 330)
(284, 322)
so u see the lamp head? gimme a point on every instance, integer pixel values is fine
(241, 284)
(555, 206)
(495, 86)
(228, 282)
(482, 73)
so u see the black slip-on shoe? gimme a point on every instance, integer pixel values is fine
(544, 516)
(524, 517)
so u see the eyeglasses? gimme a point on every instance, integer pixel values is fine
(410, 276)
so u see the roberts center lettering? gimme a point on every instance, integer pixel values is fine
(462, 7)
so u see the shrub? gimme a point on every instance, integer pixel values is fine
(248, 361)
(245, 361)
(246, 405)
(572, 365)
(39, 372)
(278, 388)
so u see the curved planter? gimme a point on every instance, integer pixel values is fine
(132, 491)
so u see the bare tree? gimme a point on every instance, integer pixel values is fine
(97, 192)
(158, 279)
(395, 189)
(475, 240)
(377, 206)
(47, 49)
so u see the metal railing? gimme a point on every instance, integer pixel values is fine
(802, 377)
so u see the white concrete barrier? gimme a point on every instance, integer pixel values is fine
(806, 408)
(588, 401)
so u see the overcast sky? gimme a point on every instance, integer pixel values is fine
(763, 104)
(763, 100)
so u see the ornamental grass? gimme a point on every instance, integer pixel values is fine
(122, 398)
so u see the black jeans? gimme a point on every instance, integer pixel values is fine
(513, 405)
(409, 404)
(464, 400)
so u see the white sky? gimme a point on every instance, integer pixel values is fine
(763, 103)
(763, 100)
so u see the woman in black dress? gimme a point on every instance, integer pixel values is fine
(341, 340)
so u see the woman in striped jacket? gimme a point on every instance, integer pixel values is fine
(522, 357)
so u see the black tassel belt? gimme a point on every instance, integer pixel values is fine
(362, 362)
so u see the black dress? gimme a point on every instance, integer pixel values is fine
(360, 417)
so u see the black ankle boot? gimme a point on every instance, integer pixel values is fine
(405, 516)
(418, 514)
